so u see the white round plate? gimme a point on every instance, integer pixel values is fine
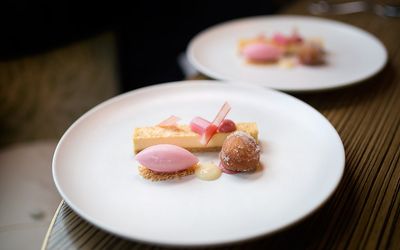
(353, 55)
(95, 171)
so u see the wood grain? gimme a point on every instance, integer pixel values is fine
(364, 212)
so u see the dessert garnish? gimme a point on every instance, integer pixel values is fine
(226, 126)
(200, 125)
(170, 122)
(207, 129)
(284, 50)
(240, 153)
(294, 38)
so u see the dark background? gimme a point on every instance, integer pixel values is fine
(150, 34)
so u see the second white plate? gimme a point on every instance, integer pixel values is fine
(353, 54)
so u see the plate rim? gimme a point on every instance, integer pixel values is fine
(93, 221)
(204, 70)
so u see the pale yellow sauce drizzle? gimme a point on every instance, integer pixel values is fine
(286, 63)
(207, 171)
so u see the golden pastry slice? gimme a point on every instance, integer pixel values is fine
(182, 136)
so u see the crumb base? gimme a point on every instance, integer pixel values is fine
(157, 176)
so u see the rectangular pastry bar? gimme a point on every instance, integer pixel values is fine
(182, 136)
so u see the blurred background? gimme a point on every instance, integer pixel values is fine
(58, 59)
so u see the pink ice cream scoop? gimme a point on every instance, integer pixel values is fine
(261, 52)
(166, 158)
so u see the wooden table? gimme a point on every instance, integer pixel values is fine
(364, 212)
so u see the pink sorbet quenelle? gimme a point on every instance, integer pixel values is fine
(261, 52)
(166, 158)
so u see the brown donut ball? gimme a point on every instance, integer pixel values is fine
(311, 54)
(240, 152)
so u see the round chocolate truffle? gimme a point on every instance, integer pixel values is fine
(240, 152)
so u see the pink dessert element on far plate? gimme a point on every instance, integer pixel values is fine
(261, 52)
(166, 158)
(295, 37)
(281, 39)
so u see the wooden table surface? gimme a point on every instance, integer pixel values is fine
(364, 212)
